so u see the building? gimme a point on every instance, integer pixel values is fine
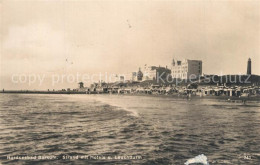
(114, 78)
(154, 72)
(249, 66)
(121, 78)
(186, 69)
(134, 76)
(124, 77)
(81, 85)
(139, 75)
(128, 77)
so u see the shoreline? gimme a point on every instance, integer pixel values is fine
(184, 97)
(227, 98)
(42, 92)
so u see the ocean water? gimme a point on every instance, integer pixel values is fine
(104, 128)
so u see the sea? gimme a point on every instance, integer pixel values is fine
(125, 129)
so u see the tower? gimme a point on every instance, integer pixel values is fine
(139, 75)
(173, 62)
(81, 85)
(249, 66)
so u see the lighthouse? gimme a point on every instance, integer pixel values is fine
(249, 67)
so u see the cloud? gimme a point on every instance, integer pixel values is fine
(36, 40)
(34, 47)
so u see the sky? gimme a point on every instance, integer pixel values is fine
(46, 38)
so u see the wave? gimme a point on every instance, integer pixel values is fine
(120, 104)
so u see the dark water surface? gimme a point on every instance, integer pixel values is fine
(159, 129)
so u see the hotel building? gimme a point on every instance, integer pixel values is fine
(153, 72)
(185, 68)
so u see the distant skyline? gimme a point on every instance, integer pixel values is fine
(86, 37)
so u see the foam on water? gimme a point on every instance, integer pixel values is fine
(198, 159)
(119, 105)
(106, 100)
